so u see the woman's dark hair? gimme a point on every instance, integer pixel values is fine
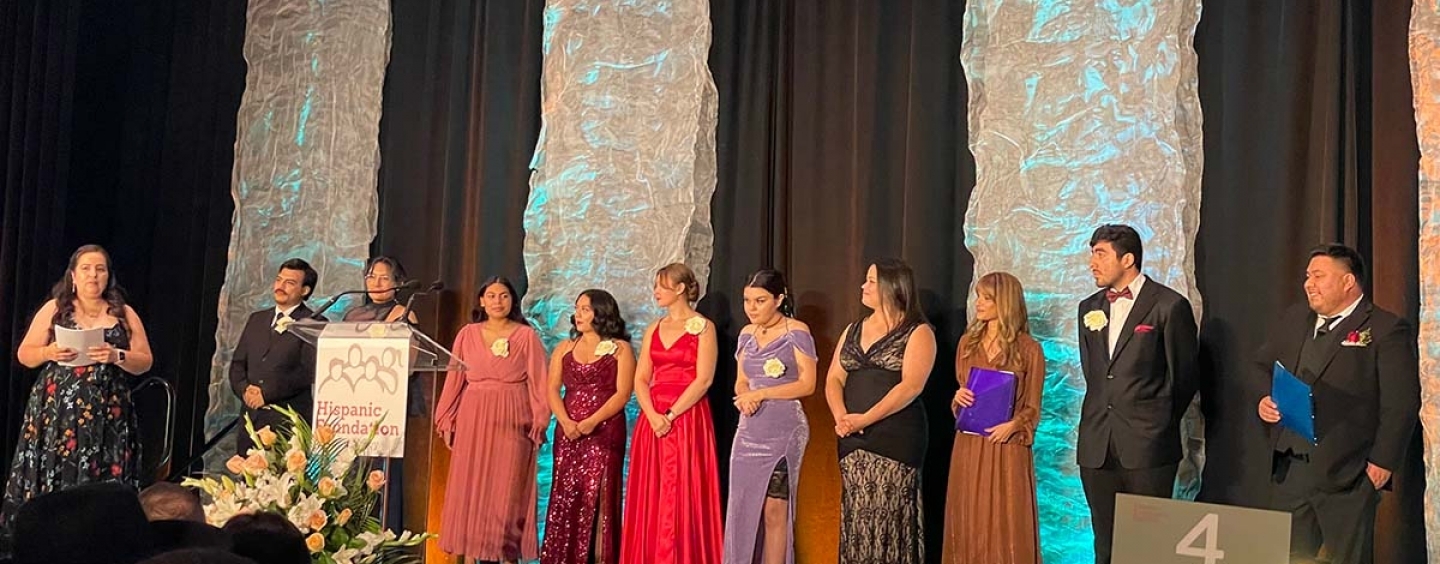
(897, 286)
(64, 290)
(608, 323)
(397, 272)
(478, 314)
(773, 281)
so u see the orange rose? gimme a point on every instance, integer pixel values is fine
(343, 517)
(326, 486)
(315, 542)
(235, 465)
(324, 434)
(317, 520)
(267, 437)
(256, 463)
(295, 461)
(375, 480)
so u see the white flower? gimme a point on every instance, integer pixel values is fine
(500, 347)
(374, 540)
(342, 462)
(695, 325)
(345, 556)
(1095, 320)
(299, 514)
(273, 490)
(221, 511)
(605, 348)
(283, 324)
(774, 368)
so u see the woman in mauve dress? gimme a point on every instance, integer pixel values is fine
(596, 368)
(776, 358)
(494, 416)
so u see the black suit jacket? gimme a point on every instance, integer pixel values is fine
(1136, 398)
(1367, 398)
(280, 364)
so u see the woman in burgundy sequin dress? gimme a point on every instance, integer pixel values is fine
(596, 367)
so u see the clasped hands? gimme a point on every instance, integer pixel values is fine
(749, 402)
(254, 397)
(575, 429)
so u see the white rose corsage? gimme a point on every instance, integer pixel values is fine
(500, 347)
(695, 325)
(283, 324)
(1095, 320)
(605, 348)
(774, 368)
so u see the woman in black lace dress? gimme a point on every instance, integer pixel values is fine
(79, 424)
(878, 371)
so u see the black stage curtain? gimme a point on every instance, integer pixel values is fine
(118, 128)
(1309, 138)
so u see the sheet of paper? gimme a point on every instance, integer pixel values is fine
(80, 341)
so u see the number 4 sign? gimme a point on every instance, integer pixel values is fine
(1152, 530)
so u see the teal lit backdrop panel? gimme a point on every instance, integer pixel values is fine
(625, 165)
(306, 151)
(1080, 113)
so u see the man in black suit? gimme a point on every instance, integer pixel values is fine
(1137, 350)
(271, 366)
(1360, 363)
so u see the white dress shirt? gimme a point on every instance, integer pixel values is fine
(1120, 311)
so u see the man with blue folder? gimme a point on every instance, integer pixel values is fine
(1359, 363)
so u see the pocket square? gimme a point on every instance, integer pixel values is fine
(1143, 328)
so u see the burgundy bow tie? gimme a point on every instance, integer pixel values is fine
(1112, 295)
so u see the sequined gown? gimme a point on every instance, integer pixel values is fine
(768, 445)
(78, 427)
(584, 516)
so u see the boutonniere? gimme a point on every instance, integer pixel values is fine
(500, 347)
(1143, 328)
(774, 368)
(283, 324)
(605, 348)
(1096, 320)
(695, 325)
(1357, 339)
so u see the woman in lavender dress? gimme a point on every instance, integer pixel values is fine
(776, 357)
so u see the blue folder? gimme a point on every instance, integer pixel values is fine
(994, 401)
(1297, 405)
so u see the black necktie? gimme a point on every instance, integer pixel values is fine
(276, 322)
(1324, 328)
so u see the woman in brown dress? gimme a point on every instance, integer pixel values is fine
(990, 511)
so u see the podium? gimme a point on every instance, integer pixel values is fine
(363, 374)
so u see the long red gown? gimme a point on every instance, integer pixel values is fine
(672, 498)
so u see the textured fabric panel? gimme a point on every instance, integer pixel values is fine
(1080, 115)
(306, 153)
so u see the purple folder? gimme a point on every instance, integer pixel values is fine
(994, 401)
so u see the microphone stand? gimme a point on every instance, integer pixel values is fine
(336, 298)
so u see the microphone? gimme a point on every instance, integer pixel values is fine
(336, 298)
(434, 287)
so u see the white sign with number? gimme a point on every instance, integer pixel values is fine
(361, 377)
(1151, 530)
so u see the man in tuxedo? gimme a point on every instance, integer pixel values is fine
(1138, 353)
(271, 366)
(1365, 390)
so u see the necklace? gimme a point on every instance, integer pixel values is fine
(80, 307)
(766, 328)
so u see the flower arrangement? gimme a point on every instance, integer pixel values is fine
(319, 483)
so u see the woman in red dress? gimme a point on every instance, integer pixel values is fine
(672, 503)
